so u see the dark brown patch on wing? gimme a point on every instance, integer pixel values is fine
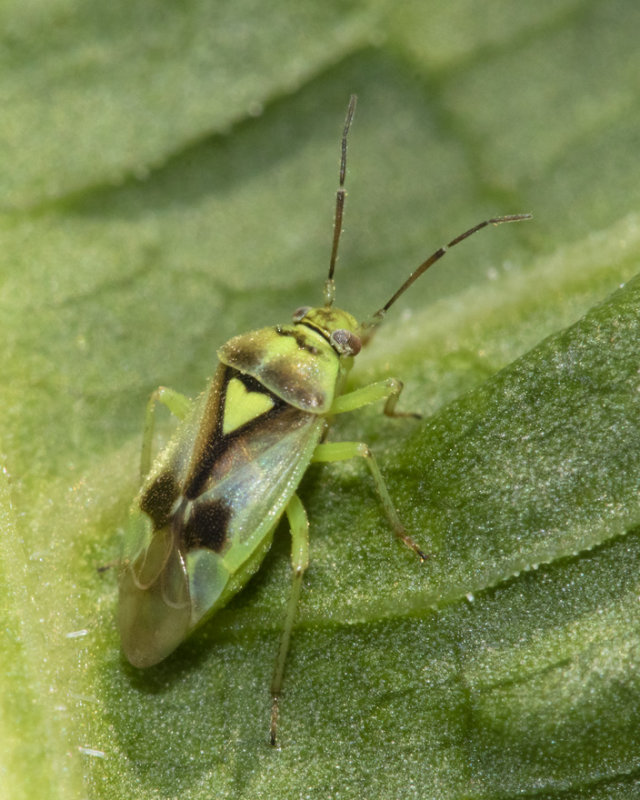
(159, 498)
(207, 526)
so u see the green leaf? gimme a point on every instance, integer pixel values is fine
(168, 178)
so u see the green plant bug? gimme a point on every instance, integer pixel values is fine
(208, 507)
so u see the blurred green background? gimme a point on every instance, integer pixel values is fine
(167, 179)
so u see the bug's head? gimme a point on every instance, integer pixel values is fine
(337, 326)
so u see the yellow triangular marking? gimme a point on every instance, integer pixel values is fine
(241, 406)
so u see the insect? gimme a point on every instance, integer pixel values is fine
(208, 507)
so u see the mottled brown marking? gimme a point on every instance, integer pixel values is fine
(304, 391)
(249, 355)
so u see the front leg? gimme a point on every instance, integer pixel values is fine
(388, 389)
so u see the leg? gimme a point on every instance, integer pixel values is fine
(389, 389)
(177, 403)
(299, 523)
(341, 451)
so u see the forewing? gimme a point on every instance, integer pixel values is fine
(246, 491)
(205, 515)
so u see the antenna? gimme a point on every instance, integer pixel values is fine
(379, 315)
(329, 287)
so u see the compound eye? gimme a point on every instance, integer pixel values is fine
(301, 313)
(345, 342)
